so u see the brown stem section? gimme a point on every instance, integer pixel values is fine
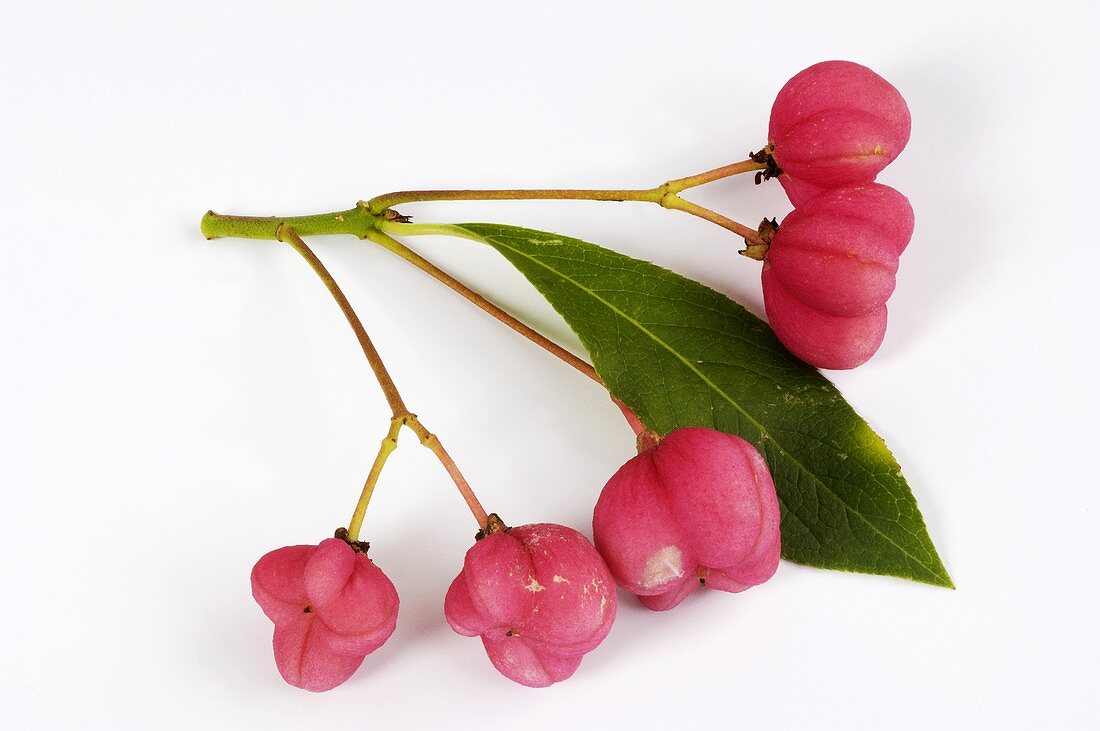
(393, 245)
(288, 235)
(691, 181)
(665, 195)
(401, 413)
(383, 202)
(631, 418)
(676, 203)
(431, 441)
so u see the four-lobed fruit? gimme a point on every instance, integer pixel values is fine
(830, 269)
(331, 607)
(833, 124)
(698, 509)
(539, 596)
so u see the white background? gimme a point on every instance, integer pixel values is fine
(172, 408)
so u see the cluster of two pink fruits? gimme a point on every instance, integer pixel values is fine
(831, 265)
(695, 509)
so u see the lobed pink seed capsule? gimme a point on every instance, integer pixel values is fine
(815, 337)
(837, 122)
(331, 607)
(838, 251)
(830, 269)
(698, 509)
(539, 596)
(798, 191)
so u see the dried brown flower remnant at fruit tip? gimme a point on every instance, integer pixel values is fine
(493, 524)
(764, 157)
(357, 546)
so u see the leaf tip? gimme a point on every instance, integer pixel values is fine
(938, 577)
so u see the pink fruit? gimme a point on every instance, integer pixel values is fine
(838, 251)
(698, 509)
(817, 338)
(331, 607)
(539, 596)
(837, 122)
(798, 191)
(830, 269)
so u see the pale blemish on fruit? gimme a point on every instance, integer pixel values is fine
(665, 564)
(551, 625)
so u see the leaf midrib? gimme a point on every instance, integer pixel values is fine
(728, 399)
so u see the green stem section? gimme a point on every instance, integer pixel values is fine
(355, 221)
(749, 234)
(388, 445)
(401, 414)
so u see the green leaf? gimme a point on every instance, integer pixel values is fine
(680, 354)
